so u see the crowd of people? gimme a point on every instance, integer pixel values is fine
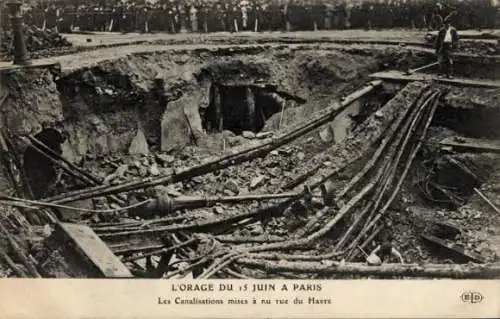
(176, 16)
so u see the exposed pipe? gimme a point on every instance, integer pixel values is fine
(246, 154)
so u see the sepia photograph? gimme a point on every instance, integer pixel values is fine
(250, 139)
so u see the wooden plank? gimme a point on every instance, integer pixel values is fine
(38, 63)
(453, 248)
(471, 144)
(74, 250)
(474, 34)
(399, 76)
(96, 250)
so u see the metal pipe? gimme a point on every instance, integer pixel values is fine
(165, 205)
(486, 200)
(246, 153)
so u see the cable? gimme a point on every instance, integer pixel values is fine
(7, 200)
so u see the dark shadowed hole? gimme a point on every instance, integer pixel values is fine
(40, 171)
(239, 108)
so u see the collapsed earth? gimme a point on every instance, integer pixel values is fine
(306, 155)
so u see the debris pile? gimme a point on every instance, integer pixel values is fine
(354, 208)
(39, 43)
(294, 199)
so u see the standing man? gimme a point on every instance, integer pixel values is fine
(172, 17)
(446, 41)
(204, 14)
(257, 16)
(244, 15)
(368, 10)
(193, 17)
(183, 17)
(328, 16)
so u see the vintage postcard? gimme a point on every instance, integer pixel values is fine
(249, 158)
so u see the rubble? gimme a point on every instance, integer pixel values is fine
(248, 134)
(231, 187)
(295, 189)
(139, 145)
(256, 181)
(37, 41)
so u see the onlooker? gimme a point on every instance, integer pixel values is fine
(446, 41)
(261, 15)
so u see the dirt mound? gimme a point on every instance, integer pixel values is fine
(38, 42)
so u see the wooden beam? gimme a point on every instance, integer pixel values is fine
(453, 248)
(471, 144)
(398, 76)
(76, 251)
(463, 271)
(6, 67)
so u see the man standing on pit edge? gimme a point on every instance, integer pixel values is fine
(446, 41)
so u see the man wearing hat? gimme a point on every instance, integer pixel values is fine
(446, 41)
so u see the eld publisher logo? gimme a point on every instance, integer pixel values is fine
(471, 297)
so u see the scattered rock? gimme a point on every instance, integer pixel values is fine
(274, 172)
(327, 134)
(199, 179)
(275, 182)
(153, 170)
(143, 171)
(232, 186)
(47, 230)
(379, 114)
(119, 173)
(164, 159)
(243, 190)
(256, 229)
(228, 134)
(481, 246)
(173, 191)
(218, 210)
(272, 163)
(327, 262)
(256, 181)
(263, 135)
(287, 151)
(101, 145)
(181, 122)
(248, 134)
(227, 192)
(139, 144)
(95, 219)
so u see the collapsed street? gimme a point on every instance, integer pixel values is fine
(266, 155)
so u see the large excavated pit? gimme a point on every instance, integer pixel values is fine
(203, 91)
(150, 115)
